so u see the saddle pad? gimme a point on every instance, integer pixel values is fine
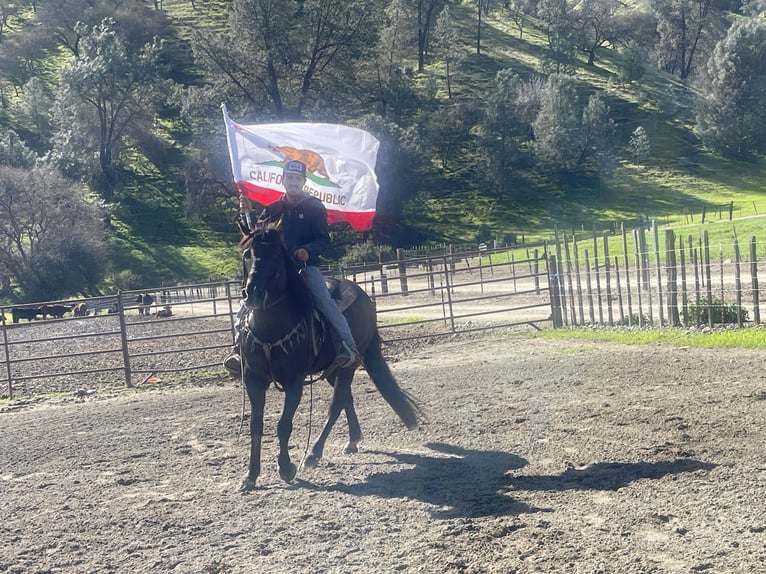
(342, 290)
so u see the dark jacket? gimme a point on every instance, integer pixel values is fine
(303, 225)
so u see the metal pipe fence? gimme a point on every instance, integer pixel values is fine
(120, 341)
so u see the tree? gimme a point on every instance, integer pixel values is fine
(289, 60)
(596, 25)
(520, 11)
(138, 24)
(448, 44)
(511, 106)
(568, 139)
(394, 81)
(448, 129)
(598, 131)
(557, 125)
(731, 92)
(427, 13)
(104, 96)
(639, 146)
(482, 7)
(14, 152)
(633, 64)
(51, 239)
(753, 7)
(682, 25)
(557, 21)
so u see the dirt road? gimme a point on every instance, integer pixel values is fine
(538, 456)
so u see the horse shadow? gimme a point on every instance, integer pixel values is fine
(460, 482)
(474, 483)
(606, 475)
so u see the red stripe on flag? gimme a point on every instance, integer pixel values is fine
(262, 195)
(359, 220)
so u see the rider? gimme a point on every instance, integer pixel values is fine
(306, 235)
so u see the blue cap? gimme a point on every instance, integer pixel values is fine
(295, 166)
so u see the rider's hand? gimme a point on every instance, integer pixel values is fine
(302, 254)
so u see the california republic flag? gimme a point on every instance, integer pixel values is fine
(340, 165)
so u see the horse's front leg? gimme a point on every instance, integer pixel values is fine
(293, 393)
(341, 399)
(257, 394)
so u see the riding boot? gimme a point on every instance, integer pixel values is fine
(346, 354)
(233, 361)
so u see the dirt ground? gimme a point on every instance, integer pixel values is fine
(537, 456)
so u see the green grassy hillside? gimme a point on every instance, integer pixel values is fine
(153, 241)
(676, 183)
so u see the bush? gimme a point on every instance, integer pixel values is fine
(634, 320)
(730, 313)
(367, 252)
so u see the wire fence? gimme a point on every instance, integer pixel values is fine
(682, 283)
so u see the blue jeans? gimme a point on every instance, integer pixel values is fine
(326, 306)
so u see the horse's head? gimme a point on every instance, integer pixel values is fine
(268, 275)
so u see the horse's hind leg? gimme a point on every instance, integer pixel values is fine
(354, 430)
(341, 398)
(293, 393)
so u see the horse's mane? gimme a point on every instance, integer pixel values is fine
(296, 286)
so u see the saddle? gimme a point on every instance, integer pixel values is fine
(342, 291)
(344, 295)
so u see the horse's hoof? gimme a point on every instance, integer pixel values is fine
(351, 448)
(311, 461)
(248, 485)
(288, 474)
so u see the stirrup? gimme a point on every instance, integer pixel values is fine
(233, 364)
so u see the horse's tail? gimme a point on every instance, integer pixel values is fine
(400, 400)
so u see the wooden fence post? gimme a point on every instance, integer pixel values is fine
(708, 278)
(671, 268)
(589, 290)
(627, 270)
(578, 282)
(754, 281)
(536, 272)
(402, 271)
(560, 269)
(124, 340)
(737, 283)
(619, 290)
(598, 278)
(684, 298)
(658, 263)
(572, 309)
(608, 281)
(553, 282)
(639, 275)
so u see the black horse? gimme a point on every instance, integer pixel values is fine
(283, 340)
